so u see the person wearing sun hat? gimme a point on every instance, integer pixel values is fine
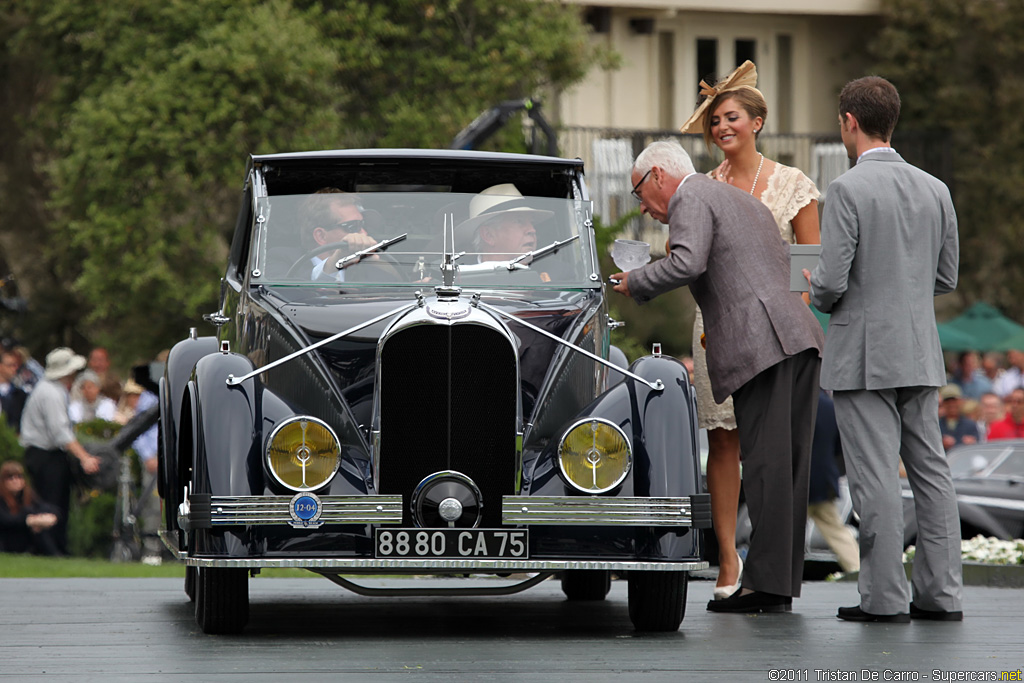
(501, 224)
(48, 437)
(731, 117)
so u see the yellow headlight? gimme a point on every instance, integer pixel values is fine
(303, 453)
(594, 455)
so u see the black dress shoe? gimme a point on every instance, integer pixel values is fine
(857, 614)
(751, 603)
(934, 615)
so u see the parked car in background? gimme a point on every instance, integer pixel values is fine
(989, 483)
(418, 408)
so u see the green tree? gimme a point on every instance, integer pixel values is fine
(124, 127)
(956, 66)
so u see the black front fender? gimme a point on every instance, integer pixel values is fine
(226, 455)
(661, 426)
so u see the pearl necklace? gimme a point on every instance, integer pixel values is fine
(757, 175)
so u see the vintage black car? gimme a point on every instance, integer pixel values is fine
(425, 403)
(989, 483)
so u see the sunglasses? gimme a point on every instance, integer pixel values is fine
(350, 226)
(637, 186)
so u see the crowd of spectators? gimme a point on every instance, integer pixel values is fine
(984, 400)
(43, 404)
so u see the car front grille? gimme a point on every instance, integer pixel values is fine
(448, 402)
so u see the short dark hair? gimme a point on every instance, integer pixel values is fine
(315, 211)
(874, 102)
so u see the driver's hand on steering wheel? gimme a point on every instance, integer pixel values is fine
(355, 241)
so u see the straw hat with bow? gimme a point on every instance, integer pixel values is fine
(745, 76)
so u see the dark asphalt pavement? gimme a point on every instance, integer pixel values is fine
(309, 629)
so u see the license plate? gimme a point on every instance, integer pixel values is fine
(477, 544)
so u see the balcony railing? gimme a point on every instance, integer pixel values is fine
(608, 155)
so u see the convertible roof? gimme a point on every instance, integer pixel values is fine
(417, 170)
(416, 154)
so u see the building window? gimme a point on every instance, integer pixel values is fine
(707, 60)
(667, 80)
(744, 50)
(784, 84)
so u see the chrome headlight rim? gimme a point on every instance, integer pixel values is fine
(270, 442)
(625, 470)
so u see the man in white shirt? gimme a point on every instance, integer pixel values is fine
(333, 217)
(48, 437)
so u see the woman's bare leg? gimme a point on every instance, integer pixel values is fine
(724, 487)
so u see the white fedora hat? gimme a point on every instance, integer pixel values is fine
(495, 201)
(62, 362)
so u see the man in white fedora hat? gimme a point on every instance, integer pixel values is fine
(501, 224)
(48, 437)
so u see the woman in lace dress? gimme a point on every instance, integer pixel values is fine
(730, 117)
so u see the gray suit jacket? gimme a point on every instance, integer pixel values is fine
(725, 245)
(889, 245)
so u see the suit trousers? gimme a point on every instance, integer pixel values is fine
(775, 414)
(51, 479)
(877, 428)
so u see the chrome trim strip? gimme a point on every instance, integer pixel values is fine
(981, 501)
(676, 511)
(984, 501)
(240, 510)
(445, 566)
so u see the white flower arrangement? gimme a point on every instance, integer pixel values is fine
(987, 550)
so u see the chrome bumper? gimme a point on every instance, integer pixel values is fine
(204, 511)
(371, 565)
(683, 511)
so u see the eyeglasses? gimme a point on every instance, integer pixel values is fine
(637, 186)
(350, 226)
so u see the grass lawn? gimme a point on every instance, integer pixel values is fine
(14, 566)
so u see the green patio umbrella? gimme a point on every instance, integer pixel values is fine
(986, 325)
(953, 339)
(1014, 343)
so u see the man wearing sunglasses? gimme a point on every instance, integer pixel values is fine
(335, 219)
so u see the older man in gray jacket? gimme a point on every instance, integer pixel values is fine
(889, 245)
(763, 348)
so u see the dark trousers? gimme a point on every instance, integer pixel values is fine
(51, 478)
(775, 414)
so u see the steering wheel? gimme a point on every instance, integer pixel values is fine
(391, 262)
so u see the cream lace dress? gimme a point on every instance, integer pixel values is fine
(788, 191)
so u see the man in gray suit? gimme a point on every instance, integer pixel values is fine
(763, 348)
(889, 245)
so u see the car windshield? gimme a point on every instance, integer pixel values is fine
(970, 461)
(303, 239)
(1012, 467)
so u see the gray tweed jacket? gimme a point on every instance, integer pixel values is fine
(725, 245)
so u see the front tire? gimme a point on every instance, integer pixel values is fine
(222, 599)
(586, 584)
(657, 600)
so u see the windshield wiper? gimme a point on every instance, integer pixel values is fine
(538, 253)
(380, 246)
